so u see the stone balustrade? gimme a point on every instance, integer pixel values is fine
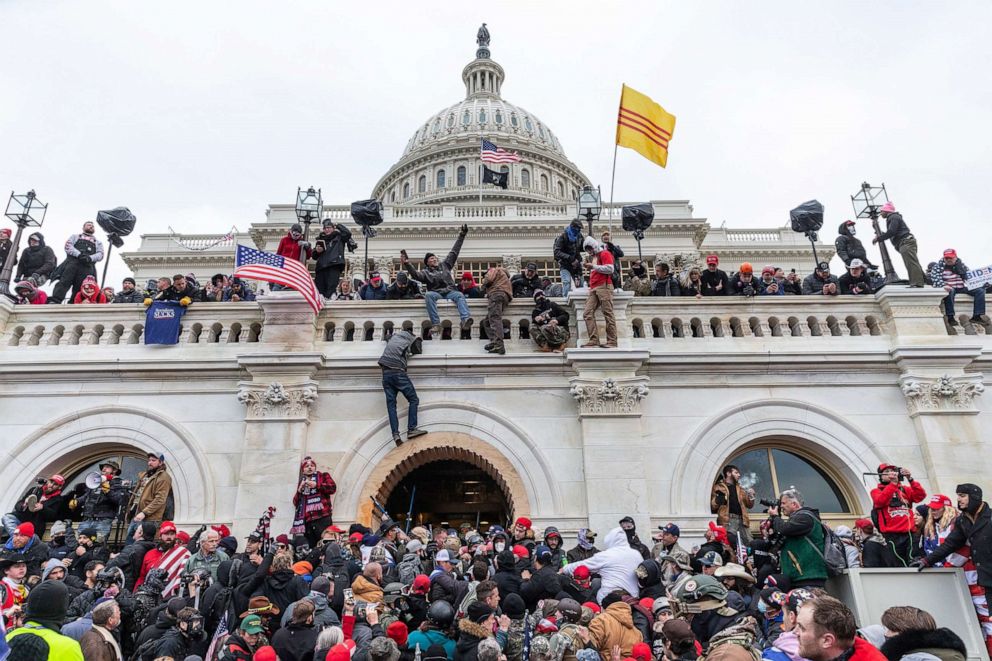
(642, 322)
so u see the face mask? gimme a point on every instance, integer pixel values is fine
(500, 546)
(762, 607)
(851, 230)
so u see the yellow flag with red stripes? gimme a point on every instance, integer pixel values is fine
(644, 126)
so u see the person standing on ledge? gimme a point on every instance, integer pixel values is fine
(401, 345)
(601, 267)
(903, 240)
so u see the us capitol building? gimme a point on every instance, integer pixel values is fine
(810, 391)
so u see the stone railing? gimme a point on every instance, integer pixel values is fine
(281, 318)
(101, 325)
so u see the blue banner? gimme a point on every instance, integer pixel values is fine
(162, 322)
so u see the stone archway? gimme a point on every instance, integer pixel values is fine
(834, 441)
(441, 446)
(90, 432)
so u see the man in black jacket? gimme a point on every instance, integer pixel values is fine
(507, 577)
(37, 261)
(850, 248)
(568, 253)
(99, 506)
(131, 556)
(178, 642)
(903, 240)
(437, 279)
(526, 283)
(973, 528)
(404, 289)
(714, 280)
(664, 283)
(393, 362)
(329, 250)
(82, 251)
(543, 583)
(550, 323)
(856, 280)
(128, 292)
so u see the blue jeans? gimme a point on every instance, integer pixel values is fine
(566, 282)
(102, 527)
(10, 523)
(394, 381)
(977, 294)
(432, 297)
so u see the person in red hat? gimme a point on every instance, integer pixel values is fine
(312, 501)
(40, 505)
(903, 240)
(950, 273)
(167, 540)
(939, 524)
(892, 503)
(714, 281)
(871, 542)
(26, 544)
(521, 531)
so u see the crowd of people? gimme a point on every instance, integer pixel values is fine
(397, 593)
(583, 261)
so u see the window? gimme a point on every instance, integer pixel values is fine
(769, 470)
(540, 130)
(440, 179)
(525, 178)
(544, 182)
(499, 117)
(406, 190)
(483, 118)
(392, 195)
(466, 118)
(514, 122)
(437, 126)
(451, 120)
(504, 168)
(461, 175)
(530, 127)
(422, 184)
(561, 189)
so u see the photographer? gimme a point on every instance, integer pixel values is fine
(550, 324)
(821, 282)
(731, 502)
(892, 512)
(856, 280)
(329, 252)
(770, 286)
(802, 536)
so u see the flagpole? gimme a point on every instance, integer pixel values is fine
(481, 165)
(613, 177)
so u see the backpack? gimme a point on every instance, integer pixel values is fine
(408, 569)
(833, 554)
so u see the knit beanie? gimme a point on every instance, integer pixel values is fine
(428, 256)
(148, 530)
(513, 606)
(974, 493)
(27, 647)
(47, 604)
(398, 632)
(479, 612)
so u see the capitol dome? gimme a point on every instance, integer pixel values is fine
(440, 163)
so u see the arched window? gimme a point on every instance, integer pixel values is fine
(461, 175)
(527, 124)
(483, 118)
(499, 117)
(437, 126)
(466, 118)
(392, 195)
(451, 120)
(422, 184)
(406, 191)
(525, 178)
(540, 130)
(544, 182)
(514, 122)
(772, 468)
(561, 189)
(440, 178)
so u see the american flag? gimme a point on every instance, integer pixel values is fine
(173, 562)
(493, 154)
(255, 264)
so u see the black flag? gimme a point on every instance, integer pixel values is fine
(501, 179)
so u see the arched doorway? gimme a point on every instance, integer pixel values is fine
(448, 493)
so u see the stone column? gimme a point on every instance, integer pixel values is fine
(621, 303)
(608, 394)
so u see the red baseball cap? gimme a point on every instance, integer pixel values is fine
(712, 259)
(421, 584)
(26, 529)
(939, 500)
(221, 530)
(523, 521)
(58, 479)
(593, 606)
(520, 551)
(167, 526)
(641, 651)
(332, 529)
(183, 536)
(356, 538)
(581, 572)
(951, 253)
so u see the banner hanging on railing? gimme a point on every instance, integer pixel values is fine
(163, 320)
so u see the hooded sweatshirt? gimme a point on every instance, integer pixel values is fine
(602, 271)
(39, 259)
(615, 565)
(90, 292)
(32, 295)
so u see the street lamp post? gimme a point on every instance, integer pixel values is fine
(26, 211)
(309, 206)
(590, 204)
(867, 202)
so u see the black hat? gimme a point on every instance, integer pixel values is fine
(531, 266)
(148, 530)
(328, 222)
(823, 266)
(87, 530)
(428, 256)
(402, 278)
(627, 519)
(479, 612)
(175, 605)
(434, 653)
(972, 490)
(10, 558)
(47, 602)
(538, 293)
(513, 606)
(131, 280)
(296, 227)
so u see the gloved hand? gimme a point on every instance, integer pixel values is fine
(920, 564)
(303, 244)
(464, 229)
(185, 300)
(147, 301)
(85, 259)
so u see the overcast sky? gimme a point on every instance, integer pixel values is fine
(197, 115)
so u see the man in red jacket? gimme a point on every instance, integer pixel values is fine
(893, 514)
(292, 245)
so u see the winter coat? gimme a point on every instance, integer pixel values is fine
(543, 584)
(785, 648)
(614, 626)
(738, 287)
(100, 504)
(938, 268)
(977, 531)
(896, 230)
(369, 293)
(470, 635)
(800, 561)
(444, 586)
(366, 590)
(36, 260)
(242, 291)
(173, 644)
(35, 553)
(849, 248)
(668, 286)
(326, 487)
(720, 502)
(130, 559)
(438, 278)
(709, 282)
(234, 648)
(568, 252)
(847, 282)
(295, 642)
(813, 284)
(334, 247)
(96, 647)
(290, 248)
(578, 554)
(133, 296)
(55, 507)
(154, 496)
(498, 280)
(938, 645)
(410, 292)
(524, 287)
(556, 312)
(282, 587)
(431, 637)
(400, 346)
(60, 648)
(892, 505)
(508, 581)
(155, 631)
(210, 562)
(323, 615)
(615, 565)
(94, 552)
(766, 288)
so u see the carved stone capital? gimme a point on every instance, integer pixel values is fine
(384, 265)
(943, 394)
(609, 397)
(277, 401)
(512, 264)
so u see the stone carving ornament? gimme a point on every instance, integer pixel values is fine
(276, 401)
(608, 397)
(942, 394)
